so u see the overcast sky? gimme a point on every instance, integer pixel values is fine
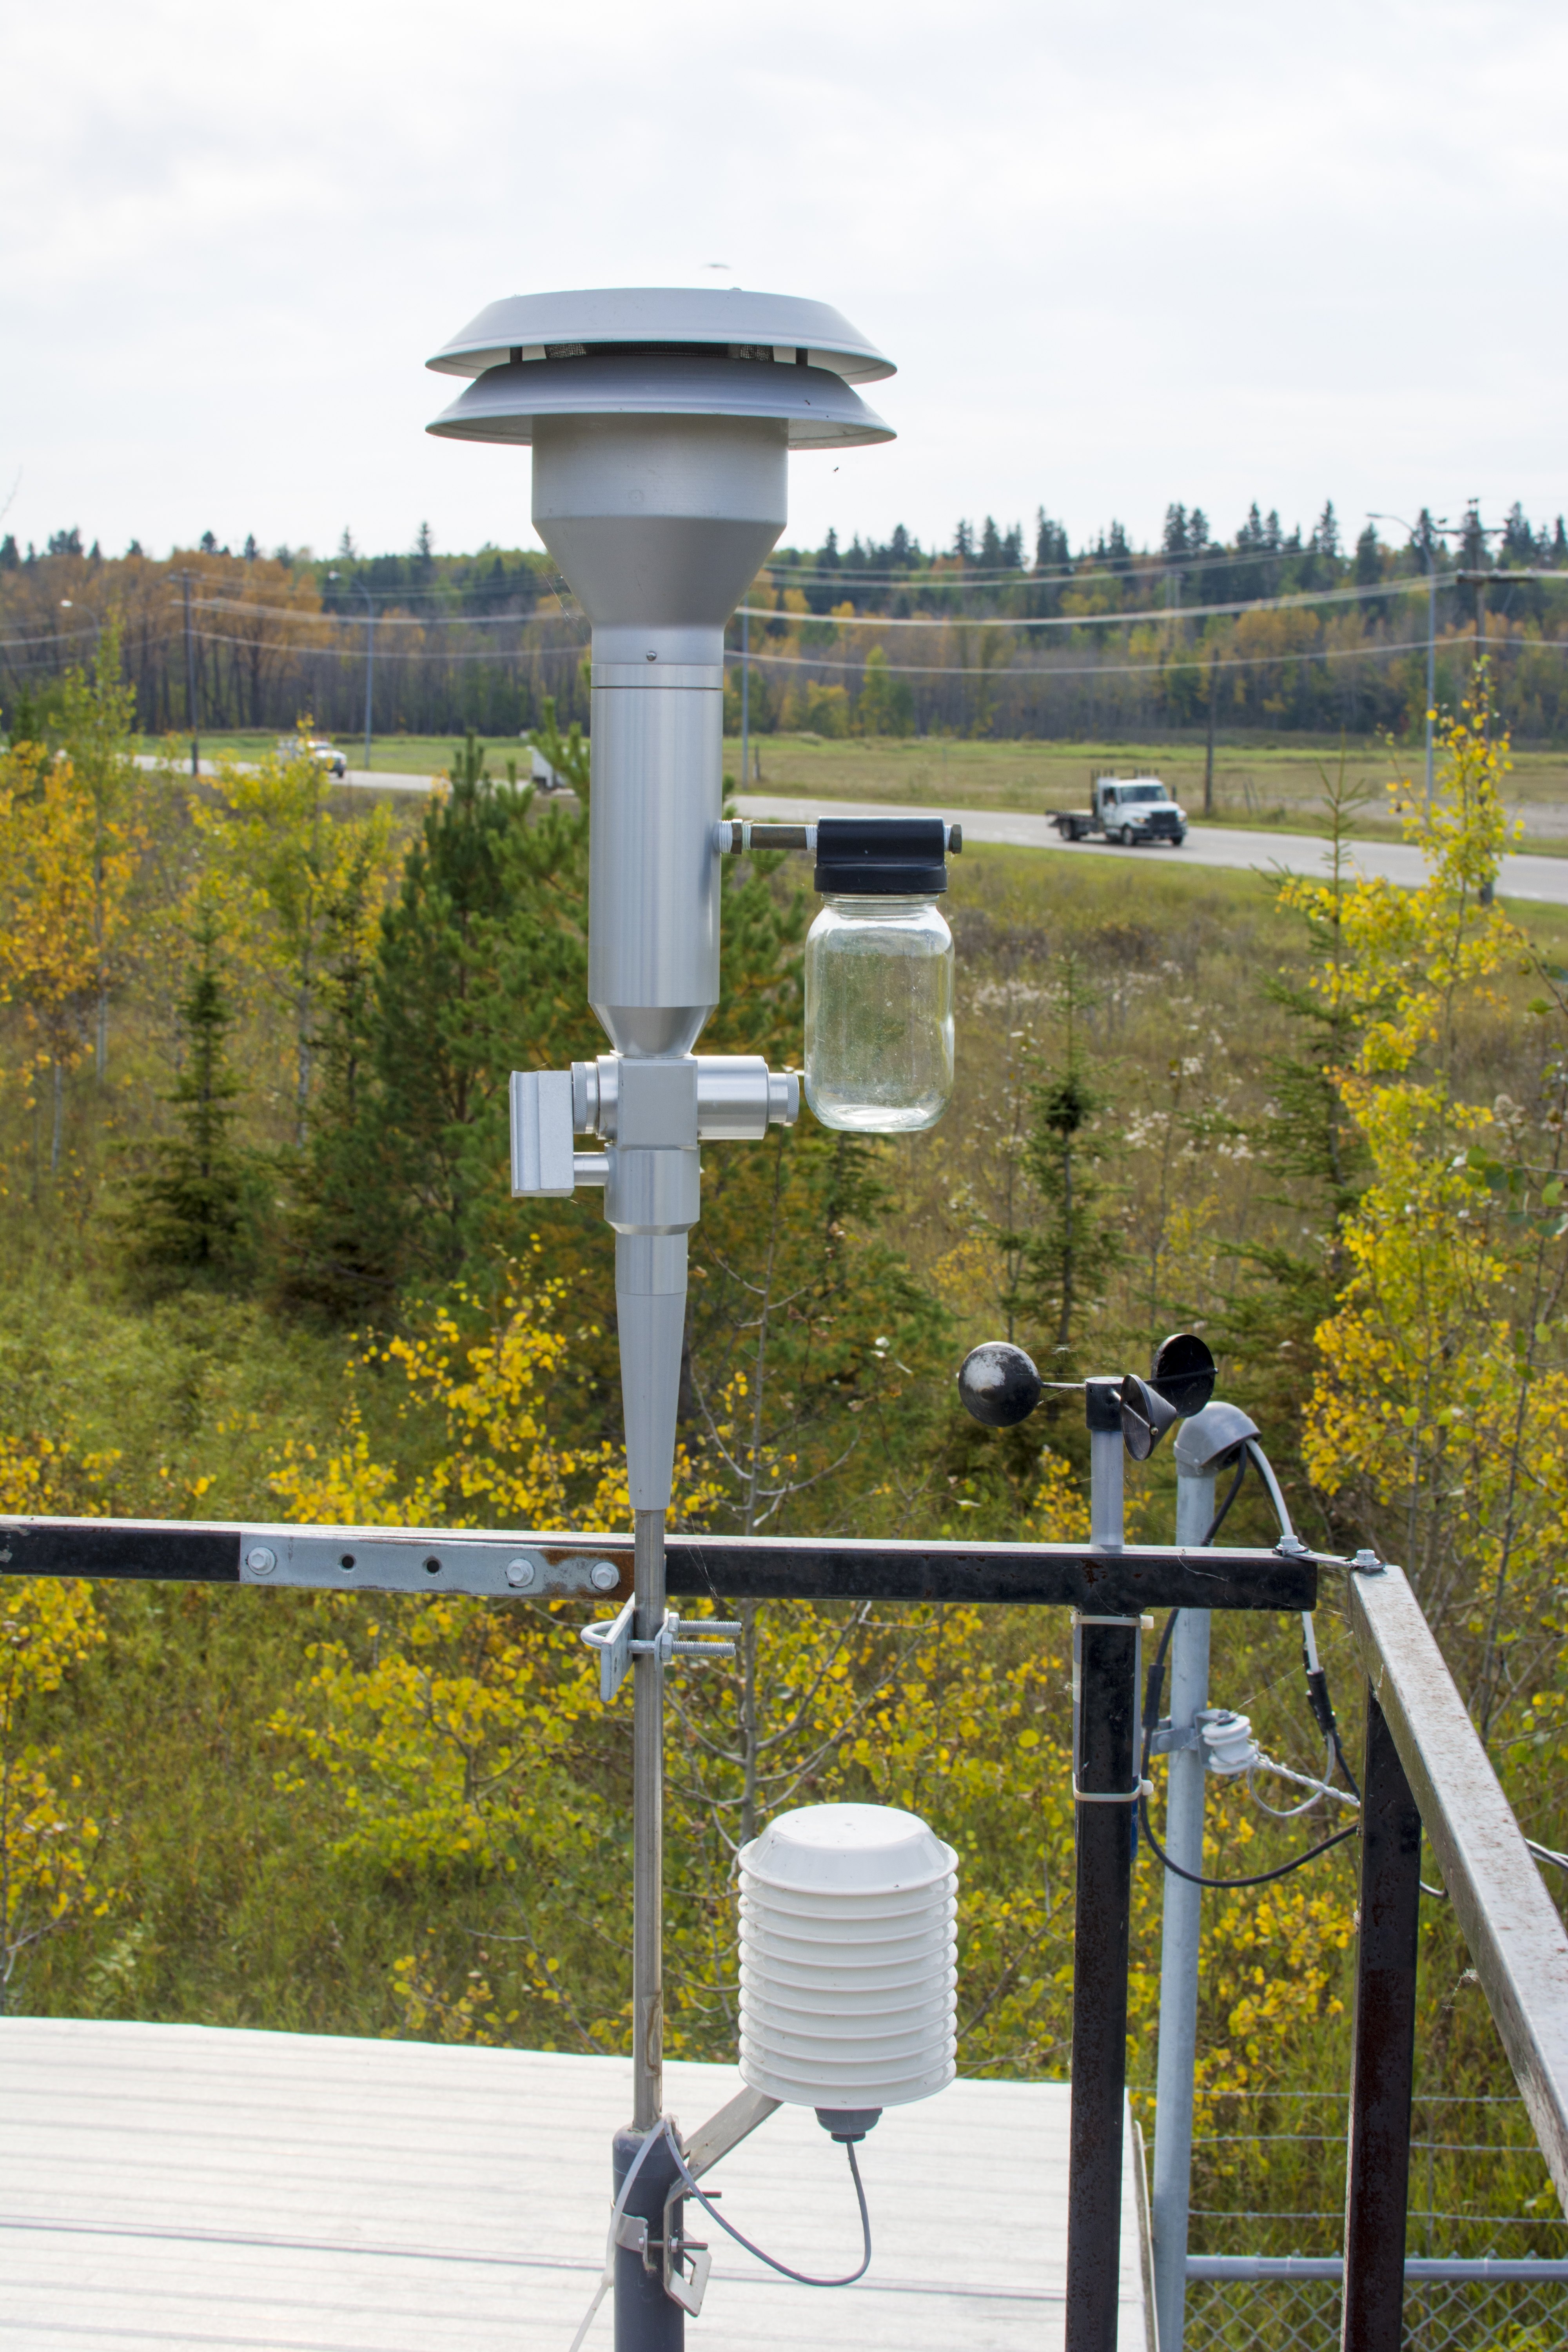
(1123, 252)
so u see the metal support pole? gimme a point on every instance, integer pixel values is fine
(1102, 1404)
(745, 696)
(1105, 1677)
(1180, 1928)
(1383, 2056)
(648, 1829)
(647, 2320)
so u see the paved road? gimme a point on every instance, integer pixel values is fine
(1209, 844)
(1527, 877)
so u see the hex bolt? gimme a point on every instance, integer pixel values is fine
(260, 1560)
(519, 1573)
(604, 1576)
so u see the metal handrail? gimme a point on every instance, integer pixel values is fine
(1516, 1937)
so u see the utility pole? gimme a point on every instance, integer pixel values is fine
(1431, 664)
(1426, 542)
(191, 680)
(369, 665)
(369, 658)
(1208, 756)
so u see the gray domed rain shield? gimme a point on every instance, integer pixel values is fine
(661, 421)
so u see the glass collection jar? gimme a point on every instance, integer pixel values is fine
(879, 976)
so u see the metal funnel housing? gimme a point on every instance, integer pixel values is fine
(660, 419)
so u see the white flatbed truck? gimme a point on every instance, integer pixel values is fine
(1133, 810)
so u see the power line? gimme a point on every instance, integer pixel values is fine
(1369, 652)
(1297, 600)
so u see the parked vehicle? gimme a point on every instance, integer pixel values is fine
(326, 753)
(1133, 810)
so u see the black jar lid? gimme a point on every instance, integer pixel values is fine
(881, 857)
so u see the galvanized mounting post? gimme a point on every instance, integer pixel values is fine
(1377, 2167)
(647, 1828)
(1105, 1785)
(646, 2318)
(1180, 1928)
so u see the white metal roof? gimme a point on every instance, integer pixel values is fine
(537, 324)
(165, 2185)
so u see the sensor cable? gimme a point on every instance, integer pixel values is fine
(800, 2277)
(1155, 1687)
(1259, 1878)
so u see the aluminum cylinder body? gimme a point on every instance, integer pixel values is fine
(660, 524)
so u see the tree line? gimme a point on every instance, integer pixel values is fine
(989, 637)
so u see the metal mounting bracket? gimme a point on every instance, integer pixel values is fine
(709, 2142)
(614, 1640)
(688, 2292)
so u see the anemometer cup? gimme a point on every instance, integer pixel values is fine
(1146, 1415)
(1183, 1373)
(998, 1385)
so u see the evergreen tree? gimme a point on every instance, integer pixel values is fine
(343, 1250)
(1051, 550)
(1519, 541)
(1368, 558)
(567, 754)
(1072, 1248)
(481, 968)
(193, 1221)
(476, 968)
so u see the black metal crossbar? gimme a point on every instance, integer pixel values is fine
(752, 1568)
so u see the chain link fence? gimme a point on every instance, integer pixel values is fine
(1264, 2271)
(1303, 2314)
